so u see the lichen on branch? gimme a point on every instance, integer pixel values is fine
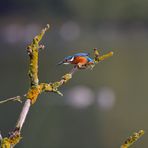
(11, 141)
(34, 92)
(37, 88)
(132, 139)
(33, 50)
(98, 58)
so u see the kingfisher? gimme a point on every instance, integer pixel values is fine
(80, 60)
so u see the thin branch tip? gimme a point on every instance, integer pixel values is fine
(17, 98)
(132, 139)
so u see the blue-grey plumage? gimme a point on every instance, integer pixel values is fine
(81, 54)
(79, 58)
(90, 59)
(66, 60)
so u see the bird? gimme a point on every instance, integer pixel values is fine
(80, 60)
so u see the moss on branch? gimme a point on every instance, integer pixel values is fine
(132, 139)
(98, 58)
(11, 141)
(37, 88)
(33, 50)
(34, 92)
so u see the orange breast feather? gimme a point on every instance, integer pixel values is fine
(81, 60)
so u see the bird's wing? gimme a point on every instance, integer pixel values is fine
(68, 57)
(81, 54)
(89, 59)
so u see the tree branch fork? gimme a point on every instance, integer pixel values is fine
(37, 88)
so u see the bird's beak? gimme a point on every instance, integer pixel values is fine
(60, 63)
(63, 62)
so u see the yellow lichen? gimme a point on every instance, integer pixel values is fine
(32, 50)
(5, 143)
(36, 88)
(46, 87)
(129, 141)
(33, 93)
(67, 77)
(57, 84)
(98, 58)
(105, 56)
(9, 142)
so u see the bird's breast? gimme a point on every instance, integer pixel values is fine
(81, 60)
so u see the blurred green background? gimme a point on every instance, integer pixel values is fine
(100, 108)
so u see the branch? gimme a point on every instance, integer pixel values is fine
(17, 98)
(23, 114)
(36, 89)
(132, 139)
(33, 49)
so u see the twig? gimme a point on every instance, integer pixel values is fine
(36, 88)
(75, 69)
(17, 98)
(132, 139)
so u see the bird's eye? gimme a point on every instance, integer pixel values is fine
(71, 59)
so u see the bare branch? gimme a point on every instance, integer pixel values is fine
(23, 114)
(1, 136)
(17, 98)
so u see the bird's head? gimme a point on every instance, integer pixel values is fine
(67, 60)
